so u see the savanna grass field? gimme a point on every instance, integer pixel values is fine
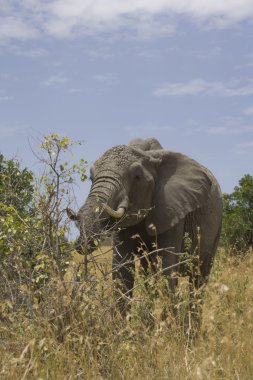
(78, 333)
(58, 314)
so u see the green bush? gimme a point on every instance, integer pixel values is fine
(16, 211)
(238, 216)
(33, 223)
(16, 185)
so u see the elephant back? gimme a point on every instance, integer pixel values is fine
(146, 145)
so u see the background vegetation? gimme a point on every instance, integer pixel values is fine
(60, 321)
(238, 216)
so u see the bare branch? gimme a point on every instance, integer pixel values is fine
(153, 275)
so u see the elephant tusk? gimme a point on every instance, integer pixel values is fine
(115, 214)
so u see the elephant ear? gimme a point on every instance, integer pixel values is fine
(182, 186)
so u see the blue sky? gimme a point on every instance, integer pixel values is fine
(108, 71)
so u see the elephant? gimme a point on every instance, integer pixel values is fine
(144, 190)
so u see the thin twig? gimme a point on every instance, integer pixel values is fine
(138, 258)
(153, 275)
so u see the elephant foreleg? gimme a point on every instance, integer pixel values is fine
(171, 242)
(123, 273)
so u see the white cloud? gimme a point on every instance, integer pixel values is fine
(54, 63)
(61, 18)
(11, 130)
(244, 65)
(75, 90)
(55, 81)
(109, 79)
(15, 27)
(223, 126)
(226, 130)
(149, 26)
(214, 52)
(99, 52)
(246, 147)
(202, 87)
(29, 53)
(5, 97)
(149, 128)
(248, 111)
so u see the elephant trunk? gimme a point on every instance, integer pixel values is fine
(105, 204)
(92, 224)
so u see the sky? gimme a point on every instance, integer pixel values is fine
(106, 72)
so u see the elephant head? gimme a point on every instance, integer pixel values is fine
(141, 181)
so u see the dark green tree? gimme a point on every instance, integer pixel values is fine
(33, 220)
(16, 185)
(238, 215)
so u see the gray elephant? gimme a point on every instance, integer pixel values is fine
(142, 189)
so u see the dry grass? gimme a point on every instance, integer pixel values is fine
(75, 331)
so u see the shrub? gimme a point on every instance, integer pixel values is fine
(33, 225)
(16, 185)
(238, 216)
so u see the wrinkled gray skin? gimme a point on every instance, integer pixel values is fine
(165, 194)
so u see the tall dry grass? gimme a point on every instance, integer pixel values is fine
(74, 330)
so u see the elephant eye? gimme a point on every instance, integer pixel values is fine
(137, 177)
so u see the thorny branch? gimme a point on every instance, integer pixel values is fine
(154, 275)
(138, 258)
